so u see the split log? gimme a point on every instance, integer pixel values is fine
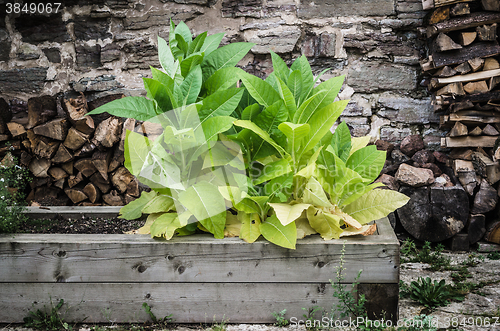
(459, 23)
(62, 155)
(68, 167)
(466, 38)
(477, 131)
(487, 32)
(74, 180)
(485, 167)
(476, 64)
(445, 43)
(493, 231)
(56, 129)
(476, 87)
(434, 213)
(463, 68)
(458, 130)
(41, 110)
(129, 124)
(117, 160)
(107, 132)
(439, 15)
(151, 130)
(490, 130)
(57, 173)
(127, 198)
(16, 130)
(92, 192)
(85, 166)
(76, 195)
(491, 5)
(480, 141)
(121, 178)
(101, 160)
(75, 139)
(38, 181)
(486, 199)
(462, 154)
(460, 9)
(100, 182)
(457, 56)
(85, 125)
(133, 188)
(452, 89)
(476, 228)
(466, 174)
(113, 198)
(25, 158)
(464, 105)
(46, 148)
(76, 108)
(445, 72)
(60, 183)
(4, 137)
(86, 150)
(490, 64)
(473, 77)
(39, 167)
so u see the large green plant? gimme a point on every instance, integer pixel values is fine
(247, 161)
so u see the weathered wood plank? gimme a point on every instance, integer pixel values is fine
(480, 49)
(200, 258)
(71, 211)
(479, 141)
(461, 22)
(188, 303)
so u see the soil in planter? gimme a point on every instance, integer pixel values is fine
(83, 225)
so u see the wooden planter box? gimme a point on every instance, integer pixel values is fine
(106, 278)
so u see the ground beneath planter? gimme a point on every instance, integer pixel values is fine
(83, 225)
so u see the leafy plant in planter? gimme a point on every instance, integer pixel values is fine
(247, 161)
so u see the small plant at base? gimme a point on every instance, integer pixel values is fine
(408, 249)
(419, 323)
(311, 323)
(280, 318)
(52, 320)
(165, 320)
(222, 326)
(432, 294)
(493, 255)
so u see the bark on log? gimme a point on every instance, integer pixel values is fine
(113, 198)
(129, 124)
(76, 108)
(460, 9)
(480, 49)
(75, 139)
(40, 110)
(487, 32)
(62, 155)
(460, 23)
(75, 180)
(476, 228)
(56, 129)
(439, 15)
(121, 178)
(46, 148)
(434, 214)
(85, 166)
(491, 5)
(133, 188)
(107, 132)
(39, 167)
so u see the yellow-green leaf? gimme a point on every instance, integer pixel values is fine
(165, 225)
(303, 227)
(358, 143)
(250, 226)
(365, 230)
(315, 195)
(159, 204)
(326, 224)
(233, 226)
(278, 234)
(287, 213)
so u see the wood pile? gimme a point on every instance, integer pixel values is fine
(463, 75)
(73, 159)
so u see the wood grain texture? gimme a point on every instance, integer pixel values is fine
(200, 258)
(188, 303)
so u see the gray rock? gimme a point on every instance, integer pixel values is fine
(110, 52)
(333, 8)
(411, 144)
(140, 54)
(486, 199)
(88, 56)
(52, 54)
(38, 29)
(4, 44)
(398, 156)
(275, 40)
(90, 28)
(389, 181)
(411, 111)
(373, 76)
(99, 84)
(241, 8)
(413, 176)
(30, 80)
(423, 156)
(394, 135)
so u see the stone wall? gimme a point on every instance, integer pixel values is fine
(106, 47)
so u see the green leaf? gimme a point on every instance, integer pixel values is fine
(250, 112)
(133, 209)
(137, 148)
(278, 234)
(165, 225)
(189, 63)
(215, 125)
(197, 43)
(280, 68)
(211, 43)
(247, 205)
(287, 97)
(191, 86)
(140, 108)
(287, 213)
(159, 204)
(367, 161)
(279, 187)
(182, 45)
(307, 77)
(157, 91)
(315, 195)
(250, 226)
(261, 133)
(295, 134)
(273, 170)
(341, 141)
(326, 224)
(226, 56)
(358, 192)
(375, 205)
(295, 85)
(260, 90)
(322, 121)
(221, 103)
(303, 227)
(166, 57)
(207, 205)
(222, 79)
(332, 87)
(358, 142)
(183, 30)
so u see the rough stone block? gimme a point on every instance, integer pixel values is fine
(241, 8)
(334, 8)
(90, 28)
(88, 56)
(52, 54)
(99, 84)
(159, 18)
(383, 43)
(322, 45)
(27, 52)
(4, 44)
(410, 111)
(394, 135)
(278, 40)
(140, 54)
(373, 76)
(110, 53)
(409, 6)
(38, 29)
(30, 80)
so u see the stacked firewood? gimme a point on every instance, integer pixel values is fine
(463, 75)
(73, 159)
